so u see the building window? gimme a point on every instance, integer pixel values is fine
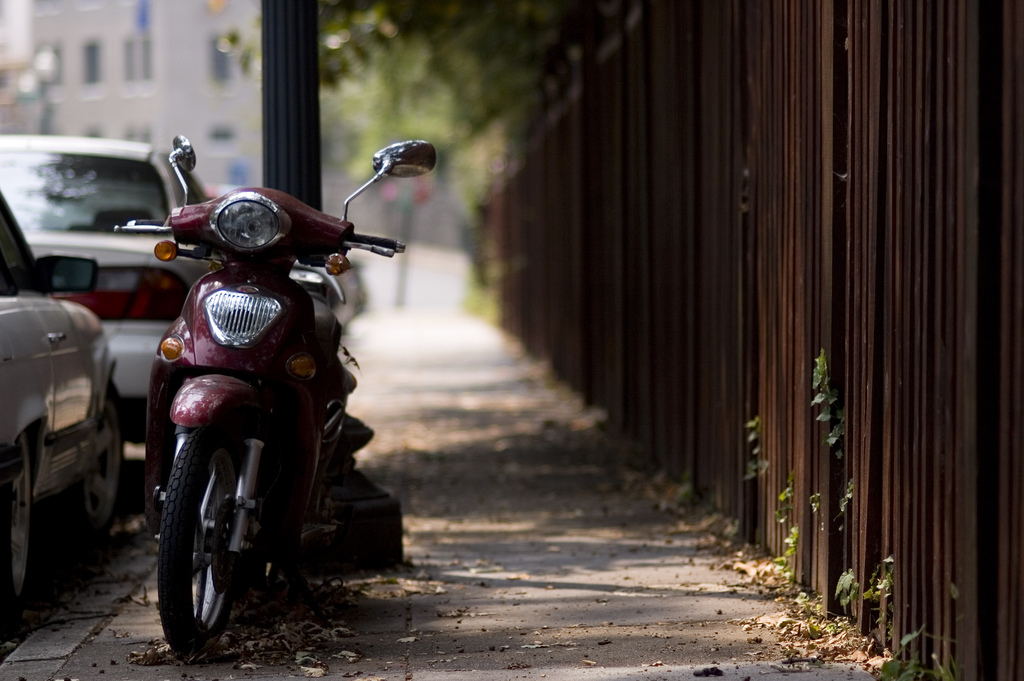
(146, 58)
(222, 134)
(129, 61)
(138, 59)
(220, 62)
(48, 6)
(92, 54)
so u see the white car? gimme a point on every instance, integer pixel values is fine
(68, 193)
(58, 419)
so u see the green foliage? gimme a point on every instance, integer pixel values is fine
(847, 498)
(881, 581)
(785, 500)
(489, 55)
(783, 562)
(755, 465)
(686, 494)
(847, 588)
(815, 500)
(828, 398)
(906, 665)
(466, 74)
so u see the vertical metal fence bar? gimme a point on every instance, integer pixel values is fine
(1011, 399)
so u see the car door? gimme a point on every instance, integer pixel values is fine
(71, 365)
(45, 371)
(26, 370)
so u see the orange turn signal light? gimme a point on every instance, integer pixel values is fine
(166, 251)
(301, 365)
(337, 264)
(171, 347)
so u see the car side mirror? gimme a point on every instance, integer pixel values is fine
(66, 274)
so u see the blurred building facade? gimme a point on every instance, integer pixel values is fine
(141, 70)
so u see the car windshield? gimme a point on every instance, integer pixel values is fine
(68, 192)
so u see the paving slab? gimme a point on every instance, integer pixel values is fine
(530, 551)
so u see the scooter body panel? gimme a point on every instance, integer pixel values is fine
(209, 398)
(211, 384)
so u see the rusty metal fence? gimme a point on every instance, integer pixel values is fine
(800, 221)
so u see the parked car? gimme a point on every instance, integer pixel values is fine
(68, 193)
(58, 420)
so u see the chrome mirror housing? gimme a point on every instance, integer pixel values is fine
(405, 159)
(402, 159)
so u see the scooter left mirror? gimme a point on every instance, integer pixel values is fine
(405, 159)
(183, 155)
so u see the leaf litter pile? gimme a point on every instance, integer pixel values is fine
(806, 637)
(274, 627)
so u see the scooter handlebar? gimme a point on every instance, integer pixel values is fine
(144, 227)
(375, 244)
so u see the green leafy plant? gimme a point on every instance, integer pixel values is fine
(881, 586)
(847, 588)
(881, 581)
(828, 398)
(785, 500)
(906, 665)
(847, 498)
(755, 465)
(783, 562)
(844, 502)
(815, 500)
(686, 493)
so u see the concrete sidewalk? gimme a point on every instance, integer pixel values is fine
(530, 552)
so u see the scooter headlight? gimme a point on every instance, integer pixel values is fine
(240, 317)
(248, 220)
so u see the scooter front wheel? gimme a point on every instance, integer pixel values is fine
(193, 562)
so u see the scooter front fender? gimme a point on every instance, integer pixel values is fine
(203, 400)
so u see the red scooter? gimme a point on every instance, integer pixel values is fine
(247, 429)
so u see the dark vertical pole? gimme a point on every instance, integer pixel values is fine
(291, 99)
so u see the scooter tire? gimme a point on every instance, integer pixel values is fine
(193, 610)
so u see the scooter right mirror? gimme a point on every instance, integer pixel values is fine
(405, 159)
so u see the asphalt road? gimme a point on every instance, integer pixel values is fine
(531, 551)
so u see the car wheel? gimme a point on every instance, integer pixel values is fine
(104, 475)
(15, 516)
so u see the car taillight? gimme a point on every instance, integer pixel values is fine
(134, 293)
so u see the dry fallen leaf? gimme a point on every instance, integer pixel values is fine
(153, 655)
(589, 663)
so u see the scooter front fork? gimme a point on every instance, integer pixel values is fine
(245, 487)
(245, 493)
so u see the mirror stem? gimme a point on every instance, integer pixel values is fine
(381, 173)
(184, 184)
